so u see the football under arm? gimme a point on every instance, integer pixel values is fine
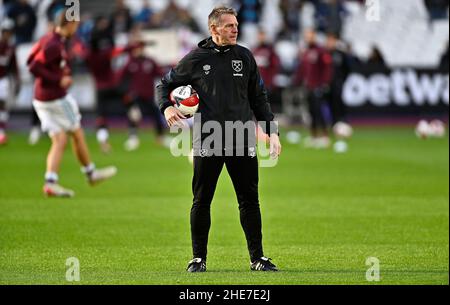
(163, 92)
(178, 76)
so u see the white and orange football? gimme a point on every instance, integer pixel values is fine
(186, 99)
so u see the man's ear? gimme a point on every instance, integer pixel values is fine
(213, 30)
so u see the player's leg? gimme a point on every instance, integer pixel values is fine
(79, 145)
(158, 120)
(244, 175)
(81, 151)
(318, 123)
(35, 131)
(313, 110)
(206, 173)
(3, 121)
(4, 95)
(134, 117)
(101, 121)
(334, 103)
(51, 115)
(54, 158)
(337, 104)
(310, 141)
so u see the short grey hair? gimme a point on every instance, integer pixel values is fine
(217, 13)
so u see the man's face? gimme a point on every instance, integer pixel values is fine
(310, 37)
(331, 42)
(6, 35)
(103, 24)
(227, 30)
(262, 37)
(72, 28)
(138, 51)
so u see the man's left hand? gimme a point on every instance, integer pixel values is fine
(275, 146)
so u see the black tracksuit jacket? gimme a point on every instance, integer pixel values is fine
(227, 81)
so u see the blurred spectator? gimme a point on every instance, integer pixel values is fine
(5, 7)
(175, 16)
(121, 19)
(329, 15)
(145, 14)
(314, 74)
(24, 19)
(438, 9)
(85, 29)
(8, 69)
(290, 10)
(249, 11)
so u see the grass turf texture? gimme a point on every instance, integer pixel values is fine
(323, 215)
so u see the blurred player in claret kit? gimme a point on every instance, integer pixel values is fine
(268, 64)
(267, 60)
(315, 74)
(8, 68)
(57, 110)
(99, 57)
(141, 72)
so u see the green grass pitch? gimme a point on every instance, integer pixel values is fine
(323, 215)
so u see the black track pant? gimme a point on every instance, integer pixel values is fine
(146, 106)
(35, 122)
(315, 104)
(337, 106)
(244, 175)
(105, 97)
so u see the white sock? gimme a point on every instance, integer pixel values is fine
(51, 177)
(88, 169)
(102, 135)
(4, 116)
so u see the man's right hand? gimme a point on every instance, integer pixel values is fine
(66, 82)
(173, 115)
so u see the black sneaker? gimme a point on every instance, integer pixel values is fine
(263, 264)
(197, 265)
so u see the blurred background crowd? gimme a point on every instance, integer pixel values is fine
(323, 61)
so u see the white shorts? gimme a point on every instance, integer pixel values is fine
(5, 89)
(58, 115)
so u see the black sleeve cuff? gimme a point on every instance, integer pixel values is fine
(270, 128)
(164, 106)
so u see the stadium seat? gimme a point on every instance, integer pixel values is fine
(407, 37)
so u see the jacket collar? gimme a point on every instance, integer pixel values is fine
(209, 44)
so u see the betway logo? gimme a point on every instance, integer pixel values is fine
(401, 88)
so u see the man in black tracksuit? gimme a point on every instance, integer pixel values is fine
(231, 90)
